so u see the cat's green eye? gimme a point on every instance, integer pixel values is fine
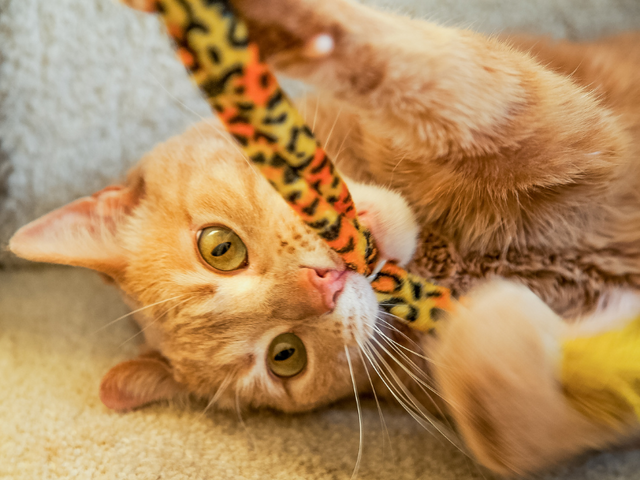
(287, 355)
(222, 249)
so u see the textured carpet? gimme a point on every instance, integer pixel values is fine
(53, 353)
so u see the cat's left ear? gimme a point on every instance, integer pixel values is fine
(83, 233)
(137, 382)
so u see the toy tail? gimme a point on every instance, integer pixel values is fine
(601, 375)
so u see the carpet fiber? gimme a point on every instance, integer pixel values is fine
(54, 350)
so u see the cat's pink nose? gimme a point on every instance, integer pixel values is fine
(328, 284)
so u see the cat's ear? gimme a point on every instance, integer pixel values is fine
(137, 382)
(83, 233)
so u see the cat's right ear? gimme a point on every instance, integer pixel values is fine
(83, 233)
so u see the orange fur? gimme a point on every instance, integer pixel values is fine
(520, 158)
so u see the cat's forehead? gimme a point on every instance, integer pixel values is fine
(204, 175)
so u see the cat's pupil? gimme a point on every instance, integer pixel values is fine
(284, 354)
(221, 249)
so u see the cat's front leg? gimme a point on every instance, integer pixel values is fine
(498, 366)
(470, 130)
(418, 80)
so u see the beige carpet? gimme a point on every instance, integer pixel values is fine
(52, 424)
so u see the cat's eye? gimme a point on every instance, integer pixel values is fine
(222, 249)
(287, 356)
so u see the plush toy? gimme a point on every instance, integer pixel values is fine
(600, 374)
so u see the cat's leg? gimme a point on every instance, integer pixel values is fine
(498, 367)
(491, 132)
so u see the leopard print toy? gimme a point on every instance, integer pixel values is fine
(214, 46)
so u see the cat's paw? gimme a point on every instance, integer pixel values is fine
(389, 218)
(497, 366)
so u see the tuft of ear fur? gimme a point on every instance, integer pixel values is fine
(82, 233)
(137, 382)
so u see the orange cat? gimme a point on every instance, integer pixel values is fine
(515, 166)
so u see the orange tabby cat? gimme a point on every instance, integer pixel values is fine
(516, 166)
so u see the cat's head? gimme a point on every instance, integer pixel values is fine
(240, 302)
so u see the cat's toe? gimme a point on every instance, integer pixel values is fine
(390, 220)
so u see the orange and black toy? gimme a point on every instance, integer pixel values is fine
(215, 47)
(603, 370)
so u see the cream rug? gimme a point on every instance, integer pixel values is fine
(54, 350)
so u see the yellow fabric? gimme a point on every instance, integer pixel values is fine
(601, 374)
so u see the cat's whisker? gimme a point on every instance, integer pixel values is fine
(427, 389)
(393, 170)
(341, 148)
(379, 330)
(404, 335)
(154, 321)
(414, 377)
(416, 410)
(252, 445)
(221, 389)
(398, 345)
(400, 385)
(355, 392)
(335, 122)
(384, 378)
(416, 372)
(136, 311)
(397, 394)
(383, 424)
(315, 115)
(209, 122)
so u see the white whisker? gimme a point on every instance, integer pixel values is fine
(383, 424)
(154, 321)
(414, 377)
(355, 392)
(136, 311)
(326, 142)
(422, 383)
(393, 327)
(394, 392)
(315, 115)
(252, 445)
(414, 408)
(223, 386)
(219, 129)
